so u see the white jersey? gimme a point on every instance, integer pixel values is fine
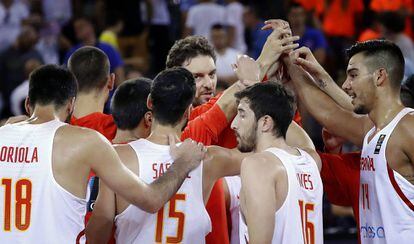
(183, 219)
(234, 185)
(299, 219)
(386, 202)
(34, 208)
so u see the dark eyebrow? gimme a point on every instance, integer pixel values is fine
(350, 70)
(213, 71)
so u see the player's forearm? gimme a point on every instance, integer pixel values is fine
(264, 64)
(227, 101)
(98, 230)
(162, 189)
(328, 85)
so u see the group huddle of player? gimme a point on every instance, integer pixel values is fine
(169, 143)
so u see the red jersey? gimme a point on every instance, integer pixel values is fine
(340, 177)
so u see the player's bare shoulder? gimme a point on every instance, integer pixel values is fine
(128, 156)
(263, 163)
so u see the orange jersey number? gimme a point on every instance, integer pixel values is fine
(23, 203)
(180, 216)
(308, 228)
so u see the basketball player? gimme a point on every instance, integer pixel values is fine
(380, 123)
(45, 163)
(171, 96)
(196, 55)
(130, 112)
(281, 195)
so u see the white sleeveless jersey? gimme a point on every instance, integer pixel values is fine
(183, 219)
(234, 185)
(34, 208)
(386, 199)
(299, 219)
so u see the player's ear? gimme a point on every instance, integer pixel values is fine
(27, 106)
(380, 76)
(148, 119)
(111, 81)
(149, 102)
(267, 123)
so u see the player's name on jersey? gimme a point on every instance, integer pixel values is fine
(367, 164)
(305, 181)
(160, 168)
(11, 154)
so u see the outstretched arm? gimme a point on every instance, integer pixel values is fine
(104, 161)
(323, 108)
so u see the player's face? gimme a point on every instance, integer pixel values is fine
(245, 127)
(203, 69)
(359, 84)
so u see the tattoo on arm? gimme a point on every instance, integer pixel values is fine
(321, 83)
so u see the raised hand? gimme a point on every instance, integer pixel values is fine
(247, 70)
(303, 57)
(190, 153)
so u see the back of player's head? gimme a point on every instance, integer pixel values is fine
(51, 85)
(129, 103)
(407, 92)
(90, 67)
(271, 99)
(190, 47)
(381, 54)
(172, 92)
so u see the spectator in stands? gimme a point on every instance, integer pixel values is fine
(256, 35)
(12, 62)
(19, 94)
(159, 38)
(234, 19)
(340, 18)
(392, 26)
(202, 17)
(12, 13)
(226, 56)
(57, 11)
(309, 37)
(85, 33)
(114, 26)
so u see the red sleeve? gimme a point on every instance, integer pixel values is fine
(340, 176)
(206, 127)
(199, 110)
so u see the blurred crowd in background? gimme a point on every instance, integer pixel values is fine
(136, 35)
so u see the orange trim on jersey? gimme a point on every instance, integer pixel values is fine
(398, 189)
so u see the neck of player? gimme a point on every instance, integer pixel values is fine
(43, 114)
(88, 103)
(386, 107)
(159, 133)
(268, 140)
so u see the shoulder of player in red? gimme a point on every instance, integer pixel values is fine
(197, 111)
(103, 123)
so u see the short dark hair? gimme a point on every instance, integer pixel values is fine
(188, 48)
(271, 99)
(129, 103)
(172, 91)
(382, 54)
(51, 85)
(90, 66)
(293, 5)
